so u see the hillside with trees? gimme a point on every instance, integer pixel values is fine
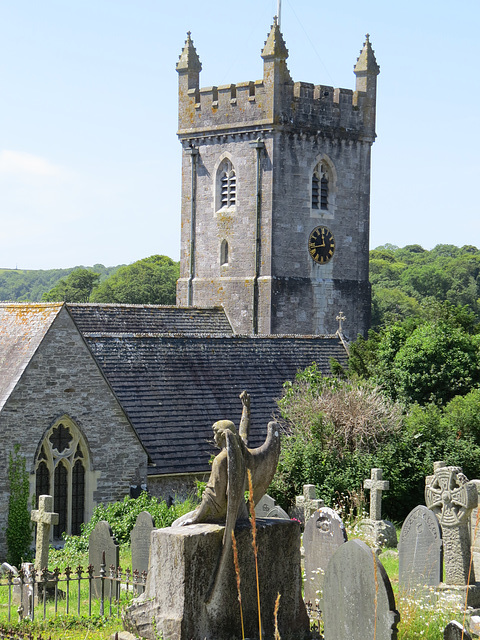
(148, 281)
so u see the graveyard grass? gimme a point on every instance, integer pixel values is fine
(419, 618)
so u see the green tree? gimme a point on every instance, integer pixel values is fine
(76, 287)
(435, 363)
(19, 526)
(148, 281)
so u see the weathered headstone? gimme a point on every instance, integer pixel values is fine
(101, 541)
(266, 507)
(381, 533)
(45, 518)
(358, 600)
(140, 539)
(324, 533)
(420, 552)
(451, 497)
(376, 485)
(455, 631)
(307, 504)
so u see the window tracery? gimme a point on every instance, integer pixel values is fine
(60, 471)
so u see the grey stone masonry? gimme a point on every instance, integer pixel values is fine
(250, 201)
(376, 486)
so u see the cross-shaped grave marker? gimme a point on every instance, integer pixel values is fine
(309, 502)
(451, 497)
(376, 486)
(44, 516)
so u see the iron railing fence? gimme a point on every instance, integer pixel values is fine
(52, 592)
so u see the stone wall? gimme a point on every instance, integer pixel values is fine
(62, 379)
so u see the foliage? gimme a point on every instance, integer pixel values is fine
(30, 285)
(437, 362)
(423, 362)
(333, 431)
(403, 279)
(148, 281)
(122, 516)
(76, 287)
(19, 526)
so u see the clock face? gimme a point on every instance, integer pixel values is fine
(321, 245)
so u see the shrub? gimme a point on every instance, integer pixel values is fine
(122, 516)
(19, 526)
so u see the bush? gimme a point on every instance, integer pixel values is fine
(122, 516)
(19, 525)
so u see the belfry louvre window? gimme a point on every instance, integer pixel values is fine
(60, 470)
(320, 188)
(228, 185)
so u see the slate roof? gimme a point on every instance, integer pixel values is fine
(174, 388)
(22, 328)
(144, 319)
(174, 370)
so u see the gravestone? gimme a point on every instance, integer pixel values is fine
(451, 497)
(45, 518)
(455, 631)
(381, 533)
(475, 532)
(266, 507)
(101, 541)
(324, 533)
(140, 539)
(358, 600)
(420, 551)
(307, 504)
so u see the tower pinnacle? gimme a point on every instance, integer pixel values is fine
(366, 62)
(275, 48)
(188, 59)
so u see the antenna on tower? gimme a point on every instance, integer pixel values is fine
(279, 13)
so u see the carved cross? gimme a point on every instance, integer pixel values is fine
(340, 319)
(451, 497)
(309, 501)
(45, 518)
(376, 486)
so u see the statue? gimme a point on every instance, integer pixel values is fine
(223, 500)
(191, 591)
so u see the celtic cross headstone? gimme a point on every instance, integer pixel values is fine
(451, 497)
(45, 517)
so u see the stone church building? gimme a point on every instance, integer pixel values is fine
(107, 399)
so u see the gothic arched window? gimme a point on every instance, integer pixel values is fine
(320, 187)
(226, 185)
(60, 470)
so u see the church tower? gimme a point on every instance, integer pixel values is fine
(276, 196)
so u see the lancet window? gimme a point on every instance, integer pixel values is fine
(227, 185)
(320, 187)
(224, 252)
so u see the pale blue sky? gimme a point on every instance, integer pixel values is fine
(89, 159)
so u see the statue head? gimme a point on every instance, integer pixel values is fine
(219, 429)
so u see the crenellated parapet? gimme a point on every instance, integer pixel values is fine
(276, 100)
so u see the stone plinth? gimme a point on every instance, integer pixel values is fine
(183, 562)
